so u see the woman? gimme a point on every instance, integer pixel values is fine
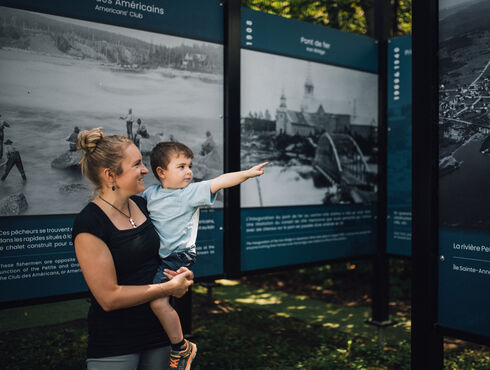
(117, 249)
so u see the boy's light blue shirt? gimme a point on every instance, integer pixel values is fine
(175, 214)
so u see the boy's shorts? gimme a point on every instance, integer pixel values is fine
(174, 262)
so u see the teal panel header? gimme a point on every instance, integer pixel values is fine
(195, 19)
(278, 35)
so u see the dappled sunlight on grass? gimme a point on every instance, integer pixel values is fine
(296, 307)
(344, 318)
(199, 289)
(261, 298)
(302, 297)
(331, 325)
(259, 301)
(407, 325)
(227, 282)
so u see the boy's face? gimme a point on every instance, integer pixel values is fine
(178, 173)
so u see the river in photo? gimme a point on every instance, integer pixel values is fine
(43, 97)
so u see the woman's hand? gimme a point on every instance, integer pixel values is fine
(99, 271)
(170, 274)
(182, 280)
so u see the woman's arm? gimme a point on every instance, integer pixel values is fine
(99, 272)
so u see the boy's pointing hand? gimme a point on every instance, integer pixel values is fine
(257, 170)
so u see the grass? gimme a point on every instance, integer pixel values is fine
(347, 319)
(59, 346)
(262, 322)
(251, 338)
(43, 314)
(229, 337)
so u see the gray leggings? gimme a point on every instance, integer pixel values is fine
(151, 359)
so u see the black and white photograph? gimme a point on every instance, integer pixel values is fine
(317, 126)
(464, 113)
(59, 76)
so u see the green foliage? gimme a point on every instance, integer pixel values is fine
(403, 18)
(341, 14)
(468, 359)
(355, 16)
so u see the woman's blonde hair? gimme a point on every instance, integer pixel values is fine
(100, 152)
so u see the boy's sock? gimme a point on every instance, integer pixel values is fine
(179, 346)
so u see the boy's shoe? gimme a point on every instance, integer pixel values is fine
(181, 360)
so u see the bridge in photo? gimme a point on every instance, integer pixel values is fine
(340, 161)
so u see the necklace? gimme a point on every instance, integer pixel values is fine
(131, 221)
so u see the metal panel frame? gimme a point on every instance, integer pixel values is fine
(426, 341)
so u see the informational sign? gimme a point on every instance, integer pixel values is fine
(37, 258)
(152, 71)
(399, 173)
(309, 107)
(464, 164)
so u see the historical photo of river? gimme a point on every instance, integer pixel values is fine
(317, 126)
(464, 115)
(60, 75)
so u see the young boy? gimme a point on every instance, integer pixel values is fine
(174, 210)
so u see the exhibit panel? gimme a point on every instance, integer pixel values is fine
(464, 163)
(309, 105)
(399, 151)
(151, 72)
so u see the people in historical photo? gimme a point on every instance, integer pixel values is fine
(142, 131)
(138, 125)
(72, 139)
(208, 145)
(2, 135)
(13, 159)
(129, 118)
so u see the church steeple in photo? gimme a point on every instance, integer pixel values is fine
(308, 97)
(283, 99)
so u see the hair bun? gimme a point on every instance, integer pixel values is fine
(88, 140)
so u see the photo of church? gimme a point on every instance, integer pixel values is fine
(319, 134)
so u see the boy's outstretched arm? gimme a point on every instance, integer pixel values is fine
(227, 180)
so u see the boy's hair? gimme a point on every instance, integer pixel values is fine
(161, 154)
